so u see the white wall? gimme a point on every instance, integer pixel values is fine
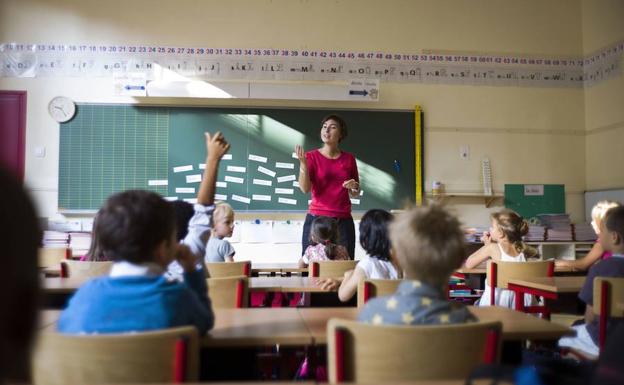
(604, 103)
(531, 135)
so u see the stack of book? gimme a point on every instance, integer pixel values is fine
(535, 234)
(558, 226)
(584, 232)
(55, 239)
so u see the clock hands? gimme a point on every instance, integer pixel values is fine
(62, 110)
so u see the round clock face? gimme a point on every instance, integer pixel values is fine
(61, 109)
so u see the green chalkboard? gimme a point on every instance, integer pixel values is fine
(109, 148)
(529, 206)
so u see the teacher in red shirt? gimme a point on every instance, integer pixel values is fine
(332, 176)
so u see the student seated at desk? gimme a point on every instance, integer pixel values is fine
(376, 264)
(137, 230)
(503, 243)
(323, 242)
(596, 253)
(611, 237)
(429, 246)
(218, 249)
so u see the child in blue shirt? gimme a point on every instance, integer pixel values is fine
(611, 238)
(428, 245)
(136, 229)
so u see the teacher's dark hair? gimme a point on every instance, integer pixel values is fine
(19, 286)
(341, 123)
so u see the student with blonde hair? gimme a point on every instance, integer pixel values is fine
(597, 252)
(218, 249)
(503, 243)
(429, 245)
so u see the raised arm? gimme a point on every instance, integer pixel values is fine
(216, 147)
(304, 177)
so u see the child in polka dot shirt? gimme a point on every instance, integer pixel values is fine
(429, 246)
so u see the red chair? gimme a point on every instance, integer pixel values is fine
(608, 303)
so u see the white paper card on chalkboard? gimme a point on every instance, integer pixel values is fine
(534, 190)
(258, 197)
(171, 199)
(287, 201)
(220, 197)
(191, 200)
(227, 157)
(234, 179)
(258, 158)
(287, 231)
(286, 178)
(296, 184)
(294, 155)
(193, 178)
(266, 171)
(290, 166)
(287, 191)
(263, 182)
(236, 169)
(185, 190)
(240, 198)
(202, 166)
(222, 184)
(355, 201)
(183, 168)
(158, 182)
(258, 231)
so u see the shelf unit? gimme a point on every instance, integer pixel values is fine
(487, 199)
(562, 250)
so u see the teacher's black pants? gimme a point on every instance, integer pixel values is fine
(346, 229)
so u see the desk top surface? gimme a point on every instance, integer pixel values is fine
(552, 284)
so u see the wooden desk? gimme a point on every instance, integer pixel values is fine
(257, 327)
(286, 267)
(547, 287)
(285, 284)
(481, 269)
(58, 285)
(517, 326)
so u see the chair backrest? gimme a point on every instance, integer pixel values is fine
(331, 269)
(608, 303)
(229, 292)
(371, 288)
(499, 273)
(359, 352)
(85, 269)
(228, 269)
(52, 256)
(170, 355)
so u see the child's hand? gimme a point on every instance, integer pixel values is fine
(486, 238)
(328, 284)
(185, 258)
(216, 145)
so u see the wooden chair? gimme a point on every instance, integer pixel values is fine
(85, 269)
(499, 273)
(170, 355)
(359, 352)
(228, 269)
(52, 256)
(608, 303)
(371, 288)
(330, 269)
(229, 292)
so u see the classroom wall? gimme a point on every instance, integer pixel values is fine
(604, 103)
(531, 135)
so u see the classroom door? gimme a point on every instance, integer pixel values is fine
(13, 131)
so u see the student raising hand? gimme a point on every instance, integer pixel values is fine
(216, 145)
